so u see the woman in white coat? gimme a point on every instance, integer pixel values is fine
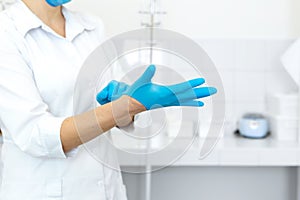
(42, 48)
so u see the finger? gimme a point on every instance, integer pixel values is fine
(196, 93)
(102, 97)
(120, 90)
(181, 87)
(205, 91)
(122, 87)
(147, 75)
(111, 89)
(192, 103)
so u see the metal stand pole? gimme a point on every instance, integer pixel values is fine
(152, 11)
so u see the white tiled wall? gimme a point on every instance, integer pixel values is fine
(250, 70)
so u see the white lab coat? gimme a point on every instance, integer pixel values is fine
(38, 71)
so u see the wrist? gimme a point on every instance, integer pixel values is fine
(124, 109)
(135, 107)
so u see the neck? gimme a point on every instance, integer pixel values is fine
(51, 16)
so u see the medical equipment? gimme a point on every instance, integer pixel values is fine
(152, 10)
(253, 126)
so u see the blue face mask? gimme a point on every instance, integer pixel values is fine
(56, 3)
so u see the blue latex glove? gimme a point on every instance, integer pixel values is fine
(112, 91)
(154, 96)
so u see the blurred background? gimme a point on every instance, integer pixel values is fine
(246, 40)
(208, 19)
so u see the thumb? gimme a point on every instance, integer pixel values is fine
(147, 75)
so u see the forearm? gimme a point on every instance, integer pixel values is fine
(82, 128)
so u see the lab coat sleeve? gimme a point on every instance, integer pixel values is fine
(25, 118)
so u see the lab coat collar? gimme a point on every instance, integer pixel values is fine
(76, 24)
(26, 21)
(23, 18)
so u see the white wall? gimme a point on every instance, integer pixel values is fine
(251, 71)
(209, 18)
